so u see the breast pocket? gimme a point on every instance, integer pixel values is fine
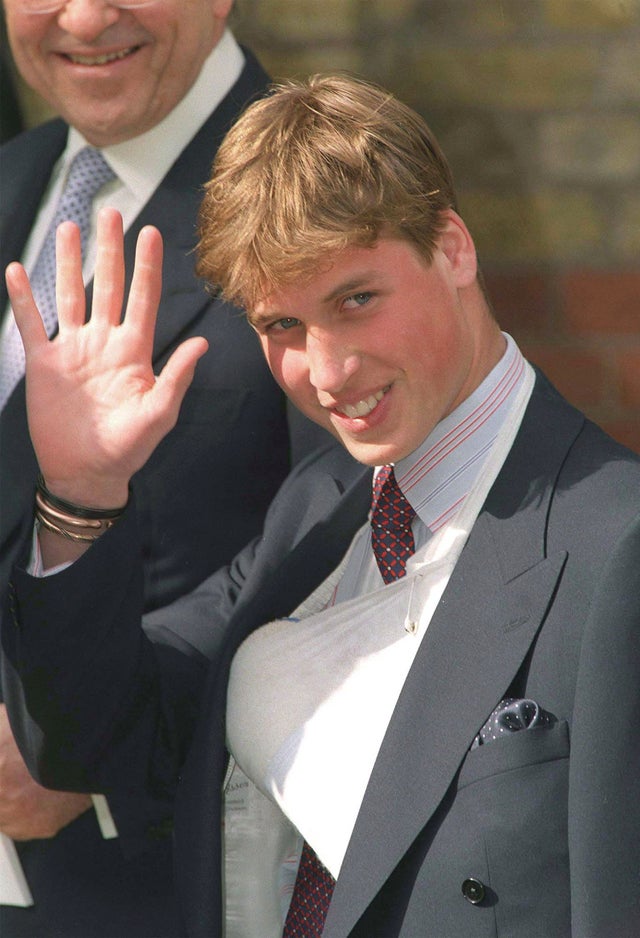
(515, 791)
(515, 751)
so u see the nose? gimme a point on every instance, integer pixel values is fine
(331, 362)
(87, 19)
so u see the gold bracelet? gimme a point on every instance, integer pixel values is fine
(76, 511)
(63, 532)
(73, 522)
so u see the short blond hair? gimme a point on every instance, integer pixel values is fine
(312, 168)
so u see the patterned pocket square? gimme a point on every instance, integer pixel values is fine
(511, 715)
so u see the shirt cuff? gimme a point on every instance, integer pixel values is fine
(106, 823)
(35, 567)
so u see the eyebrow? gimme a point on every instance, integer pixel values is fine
(341, 289)
(258, 319)
(350, 286)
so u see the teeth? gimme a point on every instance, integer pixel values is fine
(100, 59)
(362, 408)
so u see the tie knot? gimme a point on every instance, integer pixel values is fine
(387, 495)
(89, 172)
(391, 534)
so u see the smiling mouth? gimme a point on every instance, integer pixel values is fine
(104, 59)
(364, 407)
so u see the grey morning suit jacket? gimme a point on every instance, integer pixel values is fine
(543, 603)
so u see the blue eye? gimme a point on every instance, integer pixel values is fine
(288, 323)
(357, 299)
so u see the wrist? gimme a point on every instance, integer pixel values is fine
(86, 494)
(78, 523)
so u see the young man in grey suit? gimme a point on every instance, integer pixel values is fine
(410, 723)
(153, 87)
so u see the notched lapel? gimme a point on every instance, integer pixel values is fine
(325, 527)
(473, 648)
(27, 164)
(183, 299)
(172, 209)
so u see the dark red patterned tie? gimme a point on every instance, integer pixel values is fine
(393, 544)
(311, 897)
(391, 534)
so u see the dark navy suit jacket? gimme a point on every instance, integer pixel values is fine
(543, 603)
(201, 497)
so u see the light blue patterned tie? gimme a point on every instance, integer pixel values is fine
(87, 174)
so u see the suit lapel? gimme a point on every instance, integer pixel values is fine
(479, 636)
(314, 558)
(24, 181)
(174, 208)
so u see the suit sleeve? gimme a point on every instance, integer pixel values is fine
(604, 808)
(96, 702)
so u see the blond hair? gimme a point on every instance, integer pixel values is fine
(313, 168)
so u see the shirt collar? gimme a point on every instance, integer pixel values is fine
(437, 477)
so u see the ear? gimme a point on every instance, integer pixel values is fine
(457, 246)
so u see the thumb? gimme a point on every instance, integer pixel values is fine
(176, 376)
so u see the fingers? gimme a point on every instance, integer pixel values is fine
(26, 313)
(108, 278)
(177, 374)
(146, 286)
(70, 296)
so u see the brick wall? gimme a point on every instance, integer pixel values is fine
(537, 104)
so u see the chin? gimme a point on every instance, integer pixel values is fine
(368, 455)
(378, 454)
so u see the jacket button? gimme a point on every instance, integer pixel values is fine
(473, 891)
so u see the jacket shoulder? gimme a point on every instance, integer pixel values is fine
(331, 458)
(49, 137)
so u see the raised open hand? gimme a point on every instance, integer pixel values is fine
(96, 410)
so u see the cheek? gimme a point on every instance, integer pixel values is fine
(288, 367)
(181, 47)
(293, 377)
(25, 41)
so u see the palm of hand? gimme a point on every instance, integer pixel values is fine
(96, 410)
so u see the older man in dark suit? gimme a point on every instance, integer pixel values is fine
(411, 709)
(148, 90)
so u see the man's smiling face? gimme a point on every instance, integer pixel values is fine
(112, 73)
(380, 346)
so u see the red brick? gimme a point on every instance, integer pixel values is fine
(520, 301)
(602, 301)
(628, 371)
(577, 374)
